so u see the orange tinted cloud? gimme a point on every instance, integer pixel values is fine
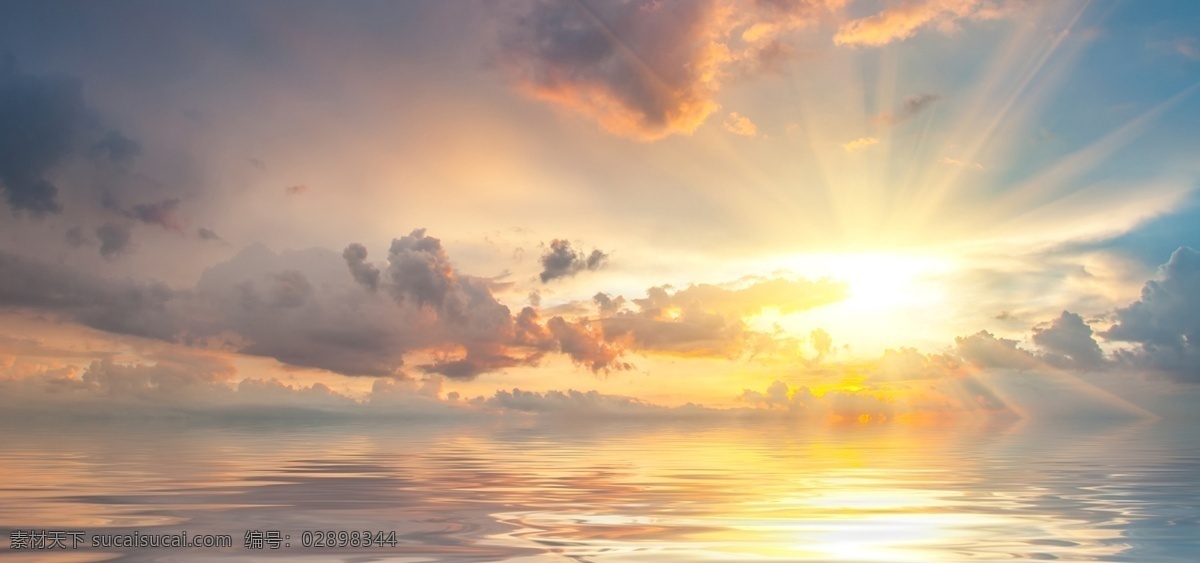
(903, 20)
(859, 144)
(642, 68)
(739, 124)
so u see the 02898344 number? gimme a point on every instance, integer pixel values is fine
(347, 538)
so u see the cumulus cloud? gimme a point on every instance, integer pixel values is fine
(586, 345)
(643, 68)
(860, 143)
(420, 272)
(739, 124)
(1069, 343)
(985, 350)
(607, 304)
(301, 308)
(1165, 322)
(707, 319)
(562, 261)
(902, 20)
(909, 107)
(363, 272)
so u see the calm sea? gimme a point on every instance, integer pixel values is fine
(551, 490)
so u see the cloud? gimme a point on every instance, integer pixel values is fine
(420, 272)
(586, 345)
(985, 350)
(119, 307)
(1187, 47)
(909, 107)
(642, 68)
(706, 319)
(580, 404)
(289, 288)
(75, 237)
(1165, 322)
(938, 396)
(740, 125)
(207, 234)
(116, 147)
(822, 342)
(161, 213)
(902, 20)
(298, 189)
(114, 239)
(563, 261)
(200, 386)
(961, 163)
(44, 119)
(607, 304)
(860, 143)
(1069, 343)
(363, 272)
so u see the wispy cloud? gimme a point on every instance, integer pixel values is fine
(909, 107)
(860, 143)
(961, 163)
(903, 20)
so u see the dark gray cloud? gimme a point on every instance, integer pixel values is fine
(1165, 322)
(114, 239)
(363, 272)
(163, 213)
(607, 304)
(563, 261)
(44, 118)
(116, 147)
(909, 107)
(637, 70)
(121, 307)
(1069, 343)
(47, 123)
(75, 237)
(207, 234)
(420, 272)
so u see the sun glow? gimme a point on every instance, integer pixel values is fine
(889, 296)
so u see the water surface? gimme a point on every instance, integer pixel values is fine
(524, 490)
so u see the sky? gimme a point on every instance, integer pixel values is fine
(856, 209)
